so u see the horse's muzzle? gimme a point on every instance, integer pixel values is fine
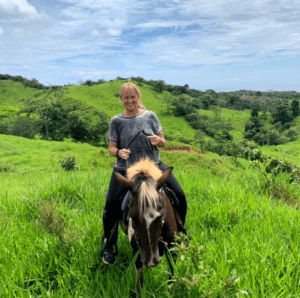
(154, 262)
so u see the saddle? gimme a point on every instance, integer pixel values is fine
(125, 202)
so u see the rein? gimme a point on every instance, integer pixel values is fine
(127, 146)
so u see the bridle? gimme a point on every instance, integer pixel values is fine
(137, 239)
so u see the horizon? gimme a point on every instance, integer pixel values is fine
(225, 45)
(129, 79)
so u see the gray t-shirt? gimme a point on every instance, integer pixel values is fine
(123, 129)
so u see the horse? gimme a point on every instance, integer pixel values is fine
(151, 222)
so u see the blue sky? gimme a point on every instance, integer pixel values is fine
(224, 45)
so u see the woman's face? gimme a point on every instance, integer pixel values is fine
(131, 101)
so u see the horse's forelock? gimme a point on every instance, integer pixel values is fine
(145, 188)
(146, 166)
(145, 173)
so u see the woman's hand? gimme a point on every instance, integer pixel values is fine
(154, 139)
(124, 153)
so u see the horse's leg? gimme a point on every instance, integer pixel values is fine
(168, 233)
(139, 272)
(171, 275)
(180, 225)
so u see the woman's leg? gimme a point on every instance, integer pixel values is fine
(112, 205)
(111, 214)
(175, 186)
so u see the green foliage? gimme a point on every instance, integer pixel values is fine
(217, 128)
(68, 163)
(295, 108)
(182, 106)
(52, 222)
(160, 85)
(7, 111)
(21, 126)
(271, 167)
(200, 139)
(282, 113)
(4, 168)
(33, 83)
(252, 127)
(291, 134)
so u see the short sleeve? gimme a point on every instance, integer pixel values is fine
(112, 130)
(155, 124)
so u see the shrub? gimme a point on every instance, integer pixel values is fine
(53, 223)
(169, 137)
(69, 163)
(291, 134)
(5, 168)
(185, 140)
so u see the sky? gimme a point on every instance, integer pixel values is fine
(224, 45)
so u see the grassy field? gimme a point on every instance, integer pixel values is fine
(245, 241)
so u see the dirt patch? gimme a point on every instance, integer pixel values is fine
(187, 149)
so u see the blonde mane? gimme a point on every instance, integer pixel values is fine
(148, 193)
(146, 166)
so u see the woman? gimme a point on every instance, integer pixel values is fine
(122, 130)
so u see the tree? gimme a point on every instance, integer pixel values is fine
(252, 127)
(295, 108)
(160, 85)
(282, 113)
(200, 138)
(78, 126)
(182, 105)
(235, 149)
(101, 127)
(25, 127)
(168, 101)
(254, 113)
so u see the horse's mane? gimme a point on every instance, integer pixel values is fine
(146, 166)
(148, 171)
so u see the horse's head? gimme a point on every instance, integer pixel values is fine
(147, 210)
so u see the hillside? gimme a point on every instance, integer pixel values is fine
(104, 97)
(14, 93)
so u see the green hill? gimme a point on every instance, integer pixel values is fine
(104, 97)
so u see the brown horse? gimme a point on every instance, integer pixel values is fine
(151, 221)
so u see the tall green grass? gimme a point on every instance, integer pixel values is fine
(245, 242)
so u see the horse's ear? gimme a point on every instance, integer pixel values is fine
(123, 181)
(164, 177)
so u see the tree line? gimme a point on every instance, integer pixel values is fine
(53, 121)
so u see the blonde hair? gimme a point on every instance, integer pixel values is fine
(129, 88)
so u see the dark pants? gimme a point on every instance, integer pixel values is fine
(112, 208)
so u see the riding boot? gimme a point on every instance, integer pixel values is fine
(111, 235)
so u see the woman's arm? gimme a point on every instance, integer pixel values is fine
(157, 140)
(112, 148)
(162, 142)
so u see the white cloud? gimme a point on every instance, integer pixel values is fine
(114, 32)
(17, 9)
(93, 73)
(1, 31)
